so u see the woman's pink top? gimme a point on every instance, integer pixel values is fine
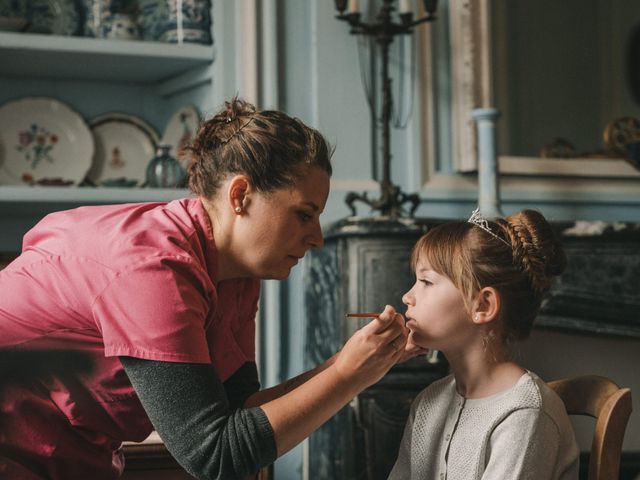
(119, 280)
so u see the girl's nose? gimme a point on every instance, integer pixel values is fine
(407, 298)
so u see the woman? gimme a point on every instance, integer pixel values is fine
(162, 299)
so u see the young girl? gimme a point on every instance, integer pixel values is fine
(479, 286)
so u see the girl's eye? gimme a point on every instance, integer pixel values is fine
(425, 281)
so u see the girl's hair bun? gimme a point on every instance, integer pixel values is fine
(535, 247)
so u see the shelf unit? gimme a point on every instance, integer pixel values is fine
(95, 76)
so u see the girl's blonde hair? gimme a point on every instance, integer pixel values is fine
(520, 270)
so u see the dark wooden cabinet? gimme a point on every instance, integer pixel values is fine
(363, 266)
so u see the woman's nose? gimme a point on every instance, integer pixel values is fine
(316, 239)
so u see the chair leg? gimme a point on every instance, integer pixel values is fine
(265, 473)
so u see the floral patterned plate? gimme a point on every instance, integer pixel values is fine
(180, 131)
(125, 145)
(42, 138)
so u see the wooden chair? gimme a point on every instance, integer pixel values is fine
(610, 405)
(265, 473)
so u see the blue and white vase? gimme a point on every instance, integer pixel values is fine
(113, 19)
(59, 17)
(176, 21)
(13, 16)
(121, 26)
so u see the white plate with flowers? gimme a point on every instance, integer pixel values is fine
(125, 144)
(43, 139)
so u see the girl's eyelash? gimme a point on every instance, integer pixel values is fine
(425, 281)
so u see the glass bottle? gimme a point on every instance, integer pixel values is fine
(164, 171)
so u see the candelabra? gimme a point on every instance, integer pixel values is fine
(383, 30)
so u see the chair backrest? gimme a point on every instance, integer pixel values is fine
(610, 405)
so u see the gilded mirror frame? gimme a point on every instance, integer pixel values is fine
(471, 58)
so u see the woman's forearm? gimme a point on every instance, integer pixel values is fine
(277, 391)
(188, 407)
(297, 413)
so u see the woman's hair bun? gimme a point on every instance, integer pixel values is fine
(267, 146)
(535, 248)
(234, 109)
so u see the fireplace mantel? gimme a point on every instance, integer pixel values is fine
(599, 293)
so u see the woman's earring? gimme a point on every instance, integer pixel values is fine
(477, 317)
(238, 209)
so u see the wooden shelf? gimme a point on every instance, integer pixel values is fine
(48, 56)
(17, 195)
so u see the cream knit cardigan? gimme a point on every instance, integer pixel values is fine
(521, 433)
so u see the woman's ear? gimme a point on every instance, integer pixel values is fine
(487, 306)
(238, 193)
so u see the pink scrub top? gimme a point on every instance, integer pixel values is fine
(123, 280)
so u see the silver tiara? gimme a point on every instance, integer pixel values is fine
(479, 221)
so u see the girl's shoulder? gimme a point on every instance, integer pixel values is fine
(549, 401)
(533, 394)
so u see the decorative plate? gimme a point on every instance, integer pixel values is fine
(42, 138)
(124, 147)
(59, 17)
(181, 129)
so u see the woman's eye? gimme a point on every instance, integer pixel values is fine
(304, 216)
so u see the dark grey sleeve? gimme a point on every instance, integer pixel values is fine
(241, 385)
(189, 409)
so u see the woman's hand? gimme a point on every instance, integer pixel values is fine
(412, 350)
(373, 349)
(363, 360)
